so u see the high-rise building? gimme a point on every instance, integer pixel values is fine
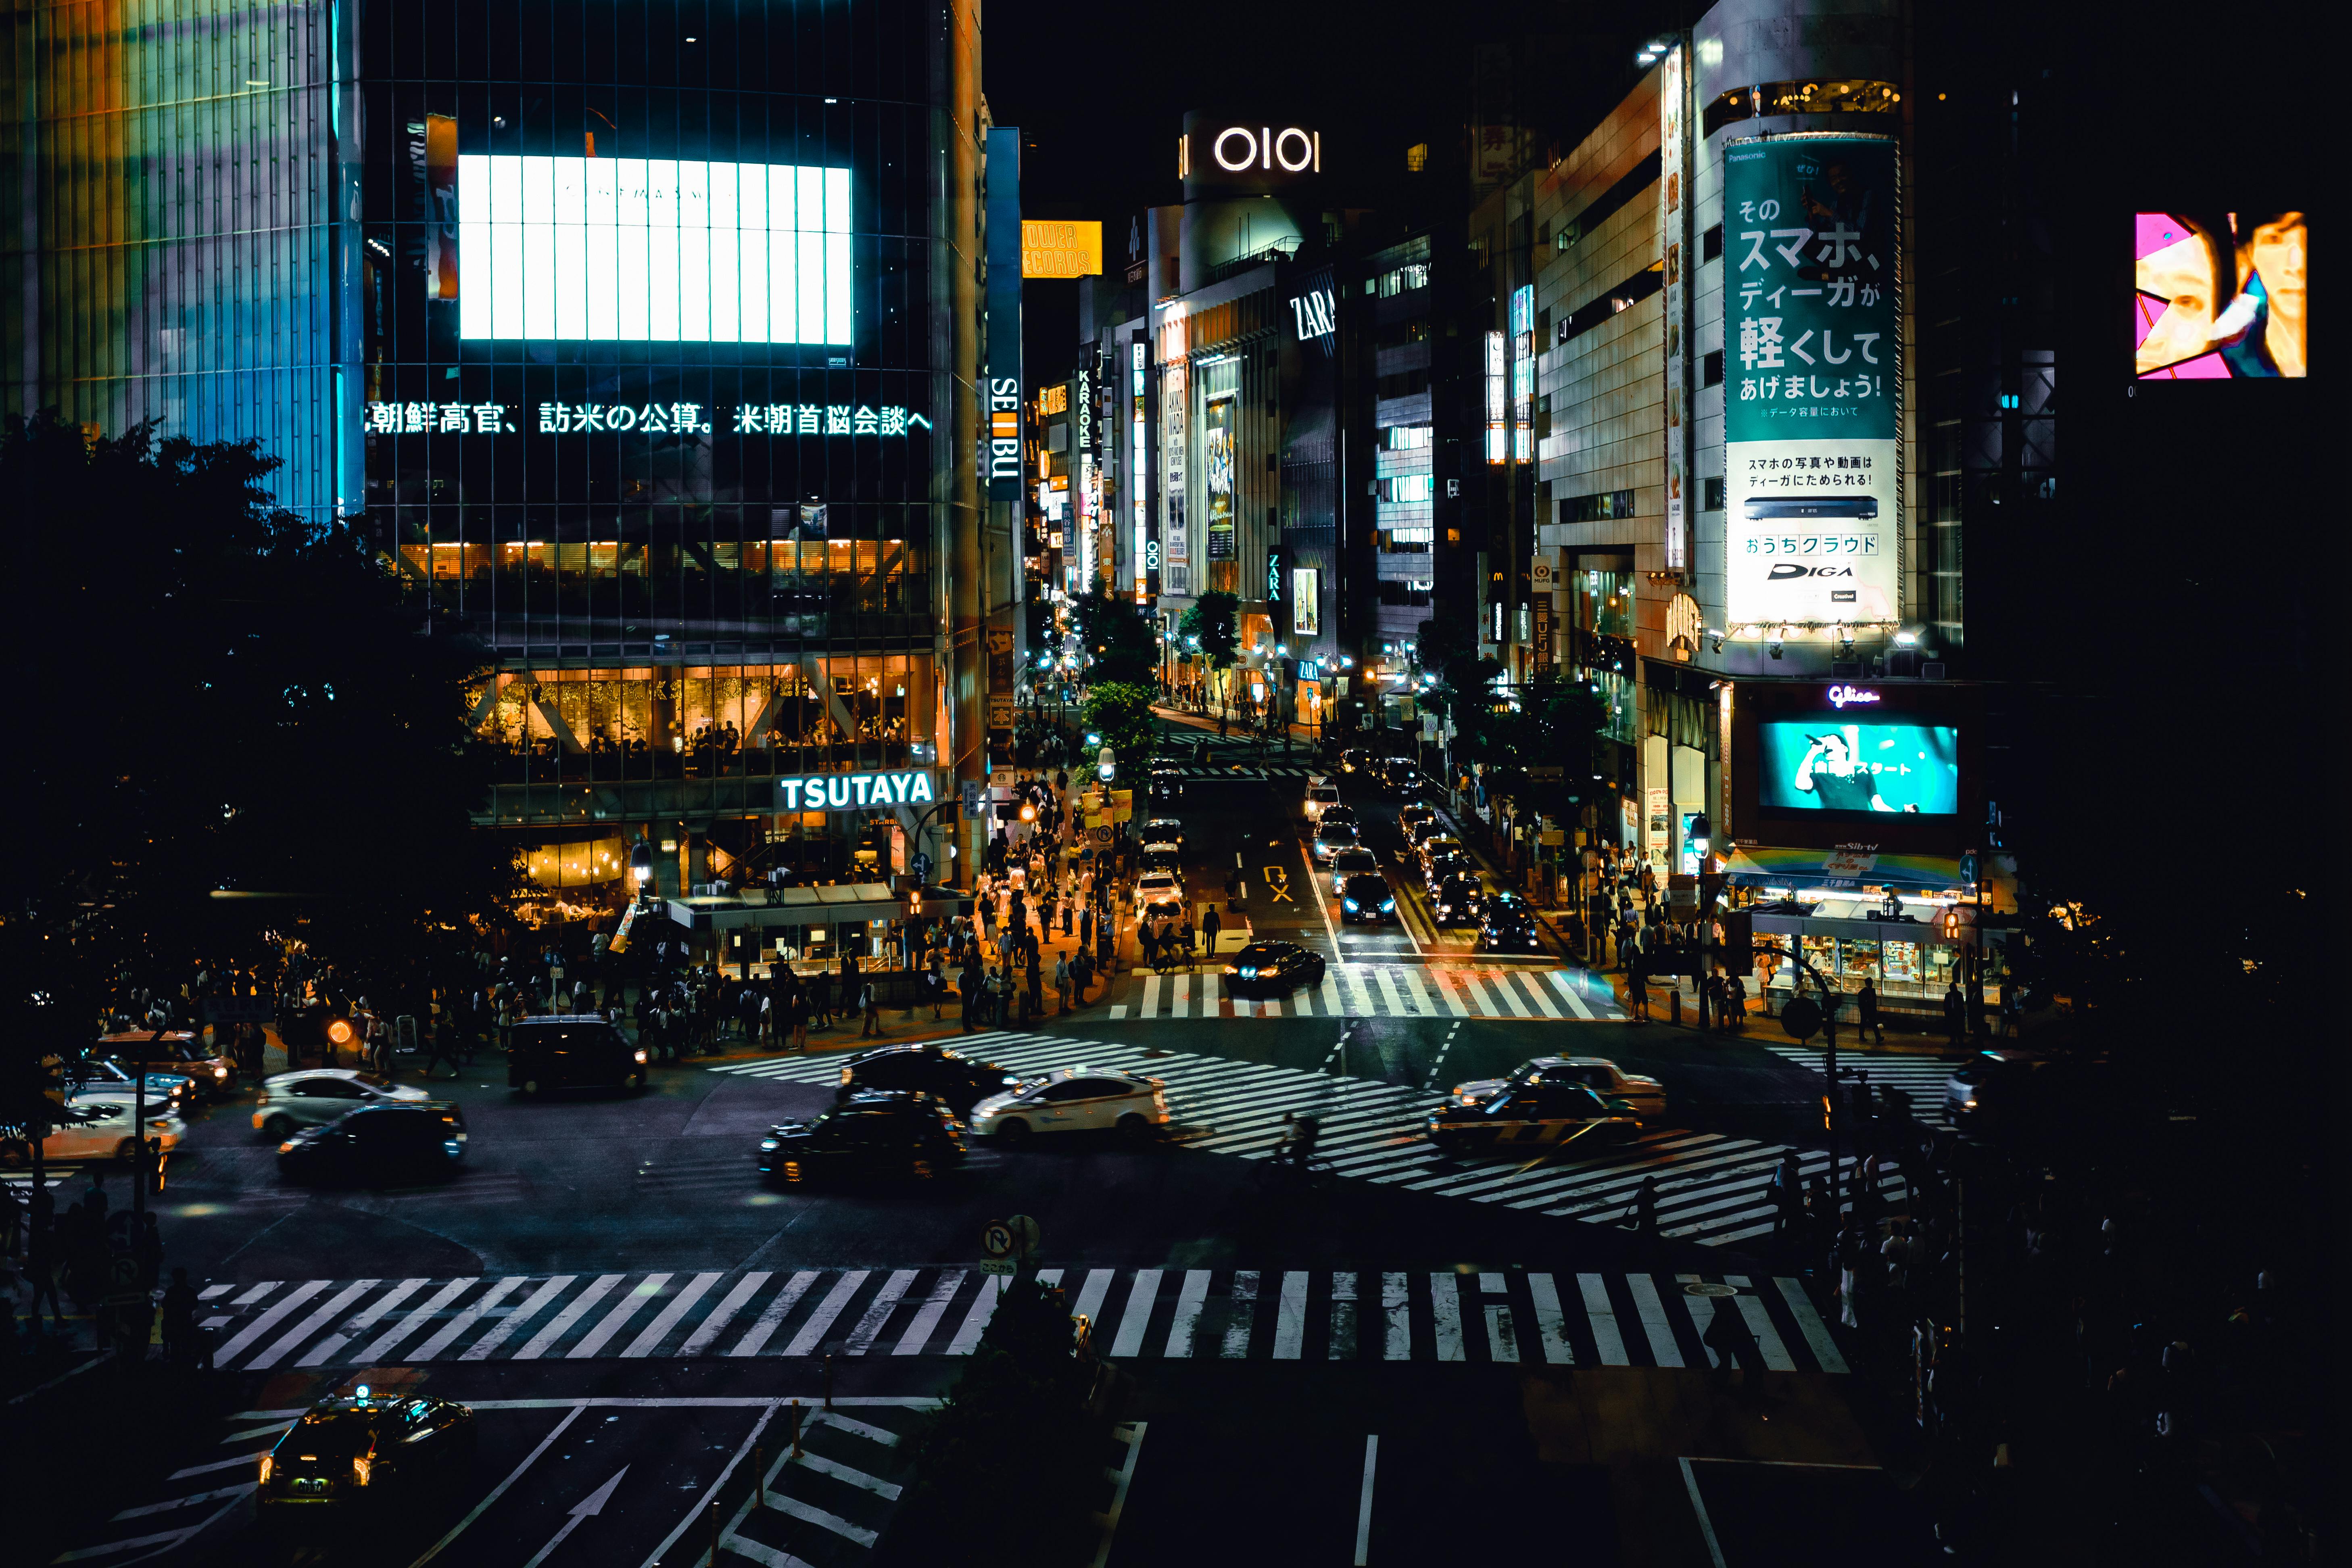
(644, 338)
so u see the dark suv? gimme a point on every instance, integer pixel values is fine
(872, 1132)
(569, 1051)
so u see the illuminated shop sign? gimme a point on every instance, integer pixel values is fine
(653, 250)
(855, 791)
(646, 419)
(1237, 148)
(1312, 316)
(1841, 695)
(1005, 427)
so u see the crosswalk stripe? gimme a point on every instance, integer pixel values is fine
(1569, 993)
(1341, 1343)
(1502, 1334)
(1603, 1316)
(926, 1317)
(561, 1324)
(877, 1312)
(1652, 1311)
(1332, 1005)
(446, 1334)
(256, 1293)
(1396, 1310)
(1136, 1321)
(705, 1333)
(416, 1319)
(1387, 981)
(1551, 1323)
(612, 1322)
(301, 1332)
(272, 1318)
(1241, 1311)
(1445, 1315)
(1190, 1298)
(975, 1320)
(1759, 1323)
(836, 1302)
(1809, 1324)
(1290, 1317)
(505, 1327)
(668, 1318)
(1535, 993)
(1090, 1295)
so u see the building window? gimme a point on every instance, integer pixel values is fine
(1711, 495)
(1403, 280)
(1406, 438)
(1599, 507)
(1710, 369)
(1710, 244)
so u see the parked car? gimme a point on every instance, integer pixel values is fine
(100, 1129)
(1273, 966)
(1533, 1113)
(573, 1050)
(411, 1143)
(961, 1081)
(1075, 1100)
(315, 1095)
(1366, 898)
(359, 1451)
(871, 1132)
(1357, 861)
(1647, 1096)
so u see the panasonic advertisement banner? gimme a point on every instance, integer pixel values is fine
(1812, 320)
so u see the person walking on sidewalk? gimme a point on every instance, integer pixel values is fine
(1727, 1335)
(1955, 1009)
(869, 1001)
(1210, 925)
(1062, 981)
(1868, 997)
(1637, 985)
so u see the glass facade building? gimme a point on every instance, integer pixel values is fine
(629, 323)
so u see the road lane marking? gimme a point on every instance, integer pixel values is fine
(1502, 1335)
(1603, 1316)
(499, 1490)
(1190, 1298)
(1396, 1307)
(708, 1331)
(878, 1311)
(417, 1320)
(702, 1507)
(1364, 1505)
(1241, 1313)
(836, 1302)
(1662, 1348)
(272, 1318)
(1809, 1324)
(1136, 1321)
(611, 1323)
(447, 1333)
(505, 1327)
(670, 1316)
(1445, 1309)
(1759, 1323)
(926, 1317)
(1551, 1323)
(561, 1324)
(975, 1319)
(318, 1320)
(1290, 1316)
(1342, 1345)
(1090, 1295)
(1569, 993)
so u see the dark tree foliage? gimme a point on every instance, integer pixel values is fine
(216, 695)
(1214, 618)
(1114, 634)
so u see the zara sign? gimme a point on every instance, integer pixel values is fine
(856, 792)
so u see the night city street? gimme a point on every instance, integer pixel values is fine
(864, 783)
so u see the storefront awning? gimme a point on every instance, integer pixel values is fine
(791, 907)
(1759, 866)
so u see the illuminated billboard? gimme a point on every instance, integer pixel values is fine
(1217, 471)
(2218, 296)
(652, 250)
(1811, 406)
(1050, 250)
(1822, 763)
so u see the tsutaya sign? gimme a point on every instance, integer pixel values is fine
(855, 791)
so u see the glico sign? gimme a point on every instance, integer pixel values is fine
(856, 792)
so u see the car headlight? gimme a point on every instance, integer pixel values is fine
(769, 1145)
(220, 1072)
(362, 1468)
(286, 1147)
(268, 1463)
(1231, 970)
(1249, 974)
(1445, 908)
(641, 1056)
(1347, 903)
(1968, 1105)
(452, 1147)
(1388, 903)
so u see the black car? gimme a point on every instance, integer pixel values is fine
(1394, 774)
(412, 1142)
(1454, 900)
(1167, 781)
(1273, 966)
(360, 1452)
(1509, 928)
(1343, 815)
(1366, 898)
(571, 1051)
(1162, 831)
(1442, 869)
(1529, 1113)
(954, 1078)
(872, 1132)
(1158, 858)
(1330, 837)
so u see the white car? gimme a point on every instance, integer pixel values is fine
(107, 1135)
(1599, 1074)
(1073, 1099)
(1320, 792)
(1158, 888)
(1353, 861)
(316, 1096)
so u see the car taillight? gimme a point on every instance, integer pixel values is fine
(268, 1462)
(262, 1098)
(361, 1469)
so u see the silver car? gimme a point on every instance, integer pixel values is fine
(316, 1096)
(1073, 1099)
(1646, 1095)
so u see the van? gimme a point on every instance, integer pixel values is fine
(569, 1051)
(1320, 792)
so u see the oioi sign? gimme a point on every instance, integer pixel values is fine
(856, 792)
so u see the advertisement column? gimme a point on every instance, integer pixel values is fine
(1673, 164)
(1812, 486)
(1175, 535)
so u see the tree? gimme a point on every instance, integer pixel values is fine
(1114, 635)
(1121, 714)
(1463, 690)
(1211, 627)
(251, 707)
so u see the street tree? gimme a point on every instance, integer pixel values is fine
(1121, 714)
(1115, 635)
(1210, 628)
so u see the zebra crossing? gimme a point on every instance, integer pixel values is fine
(1920, 1079)
(1239, 1314)
(1240, 769)
(1380, 990)
(1712, 1187)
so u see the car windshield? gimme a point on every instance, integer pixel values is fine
(331, 1434)
(1367, 888)
(1029, 1085)
(373, 1080)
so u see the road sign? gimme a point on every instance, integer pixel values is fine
(997, 1239)
(1024, 1233)
(1801, 1018)
(998, 1266)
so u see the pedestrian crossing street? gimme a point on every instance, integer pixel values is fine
(1380, 990)
(1242, 1314)
(1712, 1188)
(1920, 1079)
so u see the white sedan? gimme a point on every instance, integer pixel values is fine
(1073, 1099)
(1599, 1074)
(106, 1135)
(316, 1096)
(1158, 888)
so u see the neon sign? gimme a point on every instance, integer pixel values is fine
(855, 791)
(1841, 695)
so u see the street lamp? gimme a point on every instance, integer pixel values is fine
(641, 865)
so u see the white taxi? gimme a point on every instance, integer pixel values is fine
(1158, 888)
(316, 1096)
(1073, 1099)
(105, 1134)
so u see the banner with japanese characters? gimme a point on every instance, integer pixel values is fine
(1812, 325)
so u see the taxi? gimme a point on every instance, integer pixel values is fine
(357, 1450)
(1529, 1114)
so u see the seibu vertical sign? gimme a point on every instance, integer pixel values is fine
(1003, 469)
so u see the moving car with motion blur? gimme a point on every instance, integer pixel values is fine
(1537, 1113)
(313, 1097)
(573, 1050)
(961, 1081)
(358, 1451)
(1366, 898)
(1647, 1096)
(175, 1051)
(90, 1130)
(95, 1077)
(871, 1132)
(1075, 1100)
(1506, 923)
(379, 1144)
(1277, 966)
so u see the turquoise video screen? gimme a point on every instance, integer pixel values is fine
(1831, 763)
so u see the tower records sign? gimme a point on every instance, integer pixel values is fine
(1812, 321)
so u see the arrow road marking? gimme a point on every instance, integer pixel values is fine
(588, 1507)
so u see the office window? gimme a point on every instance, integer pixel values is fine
(1711, 495)
(1710, 244)
(1710, 369)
